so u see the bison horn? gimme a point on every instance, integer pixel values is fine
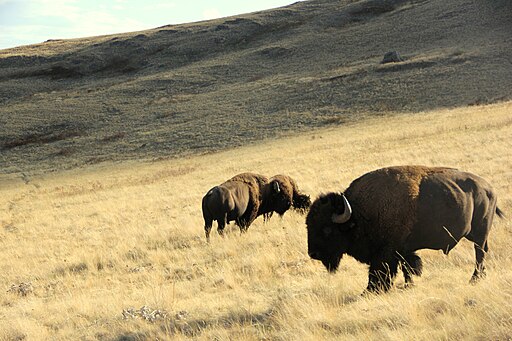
(347, 212)
(275, 187)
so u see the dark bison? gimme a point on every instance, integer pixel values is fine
(246, 196)
(281, 194)
(237, 199)
(386, 215)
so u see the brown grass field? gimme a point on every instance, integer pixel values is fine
(84, 250)
(107, 145)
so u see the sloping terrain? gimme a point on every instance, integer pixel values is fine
(117, 252)
(200, 87)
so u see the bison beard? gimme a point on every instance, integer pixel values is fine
(392, 212)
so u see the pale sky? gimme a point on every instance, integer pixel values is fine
(25, 22)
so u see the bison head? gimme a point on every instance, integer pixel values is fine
(327, 222)
(279, 197)
(301, 202)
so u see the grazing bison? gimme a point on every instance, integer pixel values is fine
(246, 196)
(281, 194)
(237, 199)
(386, 215)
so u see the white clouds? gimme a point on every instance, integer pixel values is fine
(54, 19)
(99, 23)
(211, 13)
(67, 9)
(19, 35)
(160, 6)
(62, 19)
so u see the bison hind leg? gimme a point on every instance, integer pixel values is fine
(207, 229)
(478, 236)
(221, 224)
(411, 265)
(479, 272)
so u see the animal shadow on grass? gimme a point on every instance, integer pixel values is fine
(194, 327)
(132, 337)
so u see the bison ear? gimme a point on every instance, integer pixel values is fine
(275, 187)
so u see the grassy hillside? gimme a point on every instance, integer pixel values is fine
(200, 87)
(117, 251)
(107, 145)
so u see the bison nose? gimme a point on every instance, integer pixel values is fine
(314, 255)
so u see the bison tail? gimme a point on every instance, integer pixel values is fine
(207, 214)
(414, 264)
(301, 202)
(500, 213)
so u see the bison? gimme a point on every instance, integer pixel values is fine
(237, 199)
(386, 215)
(281, 194)
(246, 196)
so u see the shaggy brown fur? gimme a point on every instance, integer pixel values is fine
(251, 179)
(288, 196)
(256, 183)
(246, 196)
(377, 200)
(398, 210)
(237, 199)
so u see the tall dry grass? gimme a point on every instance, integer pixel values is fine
(82, 247)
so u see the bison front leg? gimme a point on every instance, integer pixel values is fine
(381, 274)
(411, 265)
(248, 217)
(242, 224)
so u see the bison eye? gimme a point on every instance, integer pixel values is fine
(327, 230)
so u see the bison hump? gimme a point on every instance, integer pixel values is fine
(387, 200)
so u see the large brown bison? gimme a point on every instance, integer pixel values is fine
(386, 215)
(237, 199)
(246, 196)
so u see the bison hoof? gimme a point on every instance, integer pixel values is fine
(378, 288)
(409, 285)
(370, 292)
(476, 277)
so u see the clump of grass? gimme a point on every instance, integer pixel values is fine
(22, 289)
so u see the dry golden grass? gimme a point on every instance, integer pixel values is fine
(80, 247)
